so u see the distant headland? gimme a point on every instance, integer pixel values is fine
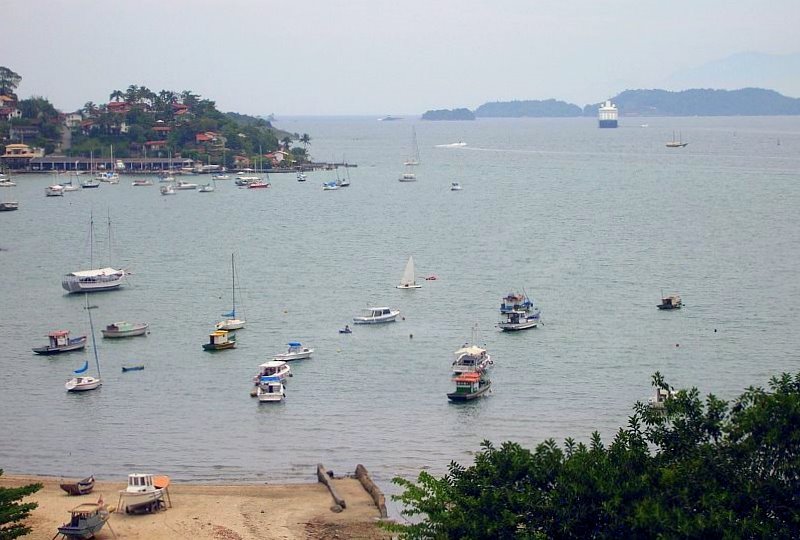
(694, 102)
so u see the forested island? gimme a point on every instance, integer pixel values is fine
(695, 102)
(449, 114)
(139, 122)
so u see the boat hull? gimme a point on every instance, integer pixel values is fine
(288, 357)
(377, 320)
(79, 343)
(9, 206)
(230, 324)
(81, 487)
(461, 396)
(82, 384)
(515, 327)
(74, 284)
(219, 346)
(138, 331)
(137, 502)
(408, 286)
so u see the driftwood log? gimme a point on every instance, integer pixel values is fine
(322, 476)
(372, 488)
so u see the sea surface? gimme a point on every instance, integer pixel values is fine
(594, 224)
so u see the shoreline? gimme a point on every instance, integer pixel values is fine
(216, 511)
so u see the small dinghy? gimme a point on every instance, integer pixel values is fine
(345, 330)
(126, 369)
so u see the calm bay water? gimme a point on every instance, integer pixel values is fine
(592, 223)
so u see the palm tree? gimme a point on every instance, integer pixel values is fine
(286, 141)
(305, 140)
(90, 108)
(117, 95)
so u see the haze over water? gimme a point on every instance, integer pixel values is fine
(593, 224)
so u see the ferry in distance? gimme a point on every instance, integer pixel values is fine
(388, 118)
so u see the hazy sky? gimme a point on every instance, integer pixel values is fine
(376, 56)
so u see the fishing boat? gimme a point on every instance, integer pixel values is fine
(84, 383)
(59, 342)
(219, 340)
(270, 390)
(413, 158)
(231, 322)
(408, 280)
(184, 185)
(144, 493)
(125, 329)
(273, 368)
(80, 487)
(97, 279)
(670, 302)
(377, 315)
(676, 144)
(56, 190)
(408, 176)
(515, 301)
(295, 351)
(519, 320)
(455, 186)
(85, 521)
(469, 386)
(169, 189)
(126, 369)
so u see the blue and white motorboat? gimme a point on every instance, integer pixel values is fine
(516, 302)
(519, 320)
(295, 351)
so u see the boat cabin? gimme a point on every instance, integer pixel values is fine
(140, 482)
(59, 338)
(273, 368)
(515, 302)
(218, 338)
(468, 383)
(659, 400)
(270, 385)
(376, 312)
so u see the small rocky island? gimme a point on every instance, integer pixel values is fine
(449, 114)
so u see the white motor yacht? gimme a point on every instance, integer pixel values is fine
(375, 315)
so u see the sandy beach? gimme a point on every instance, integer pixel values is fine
(232, 512)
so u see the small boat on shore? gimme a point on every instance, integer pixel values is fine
(80, 487)
(125, 329)
(61, 342)
(670, 302)
(85, 521)
(143, 494)
(295, 351)
(469, 386)
(377, 315)
(219, 340)
(270, 390)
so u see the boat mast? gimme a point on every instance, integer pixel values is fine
(94, 342)
(233, 286)
(91, 239)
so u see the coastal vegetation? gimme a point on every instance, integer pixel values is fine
(139, 122)
(449, 114)
(13, 512)
(694, 469)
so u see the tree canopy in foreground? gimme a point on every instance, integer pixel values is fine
(694, 469)
(12, 512)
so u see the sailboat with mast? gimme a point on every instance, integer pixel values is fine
(96, 279)
(82, 383)
(408, 281)
(413, 159)
(231, 322)
(677, 144)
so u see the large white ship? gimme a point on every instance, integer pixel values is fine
(607, 115)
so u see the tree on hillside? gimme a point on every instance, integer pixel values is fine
(12, 512)
(8, 81)
(116, 95)
(305, 140)
(696, 468)
(89, 108)
(286, 141)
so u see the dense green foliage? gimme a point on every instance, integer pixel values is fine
(702, 102)
(449, 114)
(12, 512)
(8, 81)
(530, 108)
(694, 469)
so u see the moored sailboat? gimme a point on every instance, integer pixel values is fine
(231, 322)
(83, 383)
(96, 279)
(408, 281)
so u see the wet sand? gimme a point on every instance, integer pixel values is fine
(220, 512)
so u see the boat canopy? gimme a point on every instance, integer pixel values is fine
(97, 272)
(58, 333)
(272, 364)
(270, 379)
(473, 350)
(295, 344)
(468, 377)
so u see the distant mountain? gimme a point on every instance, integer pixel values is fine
(449, 114)
(701, 102)
(529, 108)
(743, 70)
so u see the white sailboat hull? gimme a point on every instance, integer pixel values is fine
(412, 286)
(82, 384)
(230, 324)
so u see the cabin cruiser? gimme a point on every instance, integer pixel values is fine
(295, 351)
(376, 315)
(471, 359)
